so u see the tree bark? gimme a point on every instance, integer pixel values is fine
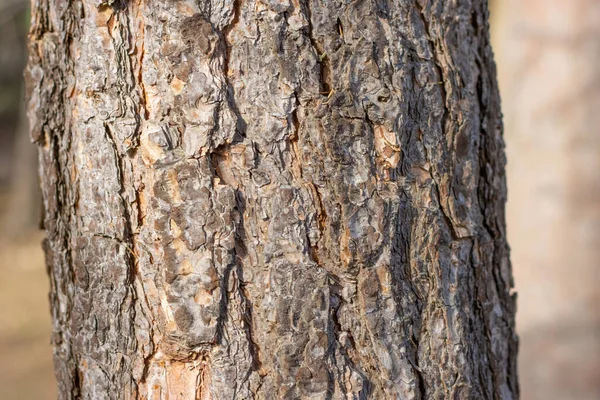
(277, 199)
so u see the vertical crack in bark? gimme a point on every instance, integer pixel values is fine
(437, 64)
(126, 67)
(402, 273)
(325, 75)
(248, 321)
(227, 45)
(137, 48)
(418, 371)
(438, 196)
(336, 344)
(203, 380)
(296, 158)
(220, 159)
(321, 218)
(138, 76)
(125, 50)
(395, 236)
(127, 240)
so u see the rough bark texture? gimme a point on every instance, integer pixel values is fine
(277, 199)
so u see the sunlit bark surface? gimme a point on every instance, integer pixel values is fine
(278, 199)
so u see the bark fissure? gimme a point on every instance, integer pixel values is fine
(325, 80)
(227, 45)
(127, 238)
(444, 79)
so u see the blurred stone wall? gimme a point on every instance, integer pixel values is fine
(548, 56)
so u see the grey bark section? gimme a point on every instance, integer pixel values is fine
(279, 199)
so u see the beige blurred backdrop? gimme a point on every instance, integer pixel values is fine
(548, 57)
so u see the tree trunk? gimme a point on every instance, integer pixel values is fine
(273, 199)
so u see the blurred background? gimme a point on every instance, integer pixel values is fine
(548, 58)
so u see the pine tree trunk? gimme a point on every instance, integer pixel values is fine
(276, 200)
